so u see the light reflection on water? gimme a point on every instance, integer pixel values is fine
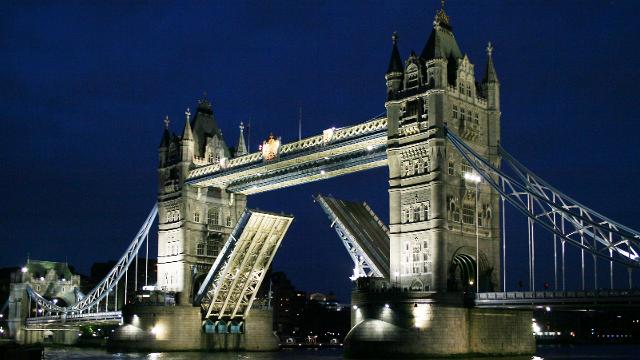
(547, 352)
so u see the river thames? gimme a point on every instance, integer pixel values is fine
(546, 352)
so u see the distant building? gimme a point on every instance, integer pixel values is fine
(298, 318)
(53, 280)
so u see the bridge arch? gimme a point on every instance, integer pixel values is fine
(463, 268)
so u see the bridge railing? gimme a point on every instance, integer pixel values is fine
(72, 318)
(332, 135)
(522, 295)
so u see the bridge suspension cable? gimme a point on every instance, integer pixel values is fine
(566, 218)
(101, 291)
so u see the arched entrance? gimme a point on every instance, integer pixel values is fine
(462, 272)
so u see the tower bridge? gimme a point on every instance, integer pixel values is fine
(449, 184)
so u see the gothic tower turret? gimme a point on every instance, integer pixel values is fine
(490, 83)
(432, 207)
(395, 70)
(193, 221)
(241, 149)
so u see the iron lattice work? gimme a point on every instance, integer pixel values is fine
(336, 152)
(364, 236)
(567, 219)
(102, 290)
(235, 277)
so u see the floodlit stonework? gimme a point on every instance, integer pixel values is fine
(433, 209)
(194, 222)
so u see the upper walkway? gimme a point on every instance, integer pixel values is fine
(335, 152)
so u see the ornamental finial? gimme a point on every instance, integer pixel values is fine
(188, 114)
(166, 121)
(489, 49)
(241, 126)
(441, 16)
(394, 37)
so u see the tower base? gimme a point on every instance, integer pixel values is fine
(179, 328)
(395, 324)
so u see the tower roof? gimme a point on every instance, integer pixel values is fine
(203, 126)
(441, 44)
(490, 75)
(395, 63)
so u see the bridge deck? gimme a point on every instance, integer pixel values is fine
(365, 237)
(233, 281)
(564, 299)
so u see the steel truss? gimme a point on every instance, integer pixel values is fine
(564, 217)
(232, 283)
(90, 301)
(368, 258)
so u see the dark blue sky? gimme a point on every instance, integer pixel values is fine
(85, 88)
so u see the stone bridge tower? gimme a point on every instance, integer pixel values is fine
(193, 222)
(432, 207)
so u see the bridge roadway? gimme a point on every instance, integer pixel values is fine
(558, 299)
(337, 151)
(109, 317)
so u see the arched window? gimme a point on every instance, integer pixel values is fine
(416, 213)
(196, 217)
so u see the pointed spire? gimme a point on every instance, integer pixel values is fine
(490, 75)
(441, 18)
(242, 147)
(187, 134)
(441, 43)
(395, 64)
(166, 136)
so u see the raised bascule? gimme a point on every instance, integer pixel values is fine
(432, 282)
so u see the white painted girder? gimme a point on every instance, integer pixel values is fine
(234, 287)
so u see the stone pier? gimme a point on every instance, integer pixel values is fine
(179, 328)
(397, 323)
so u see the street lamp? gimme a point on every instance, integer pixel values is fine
(475, 178)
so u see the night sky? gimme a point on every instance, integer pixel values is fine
(85, 87)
